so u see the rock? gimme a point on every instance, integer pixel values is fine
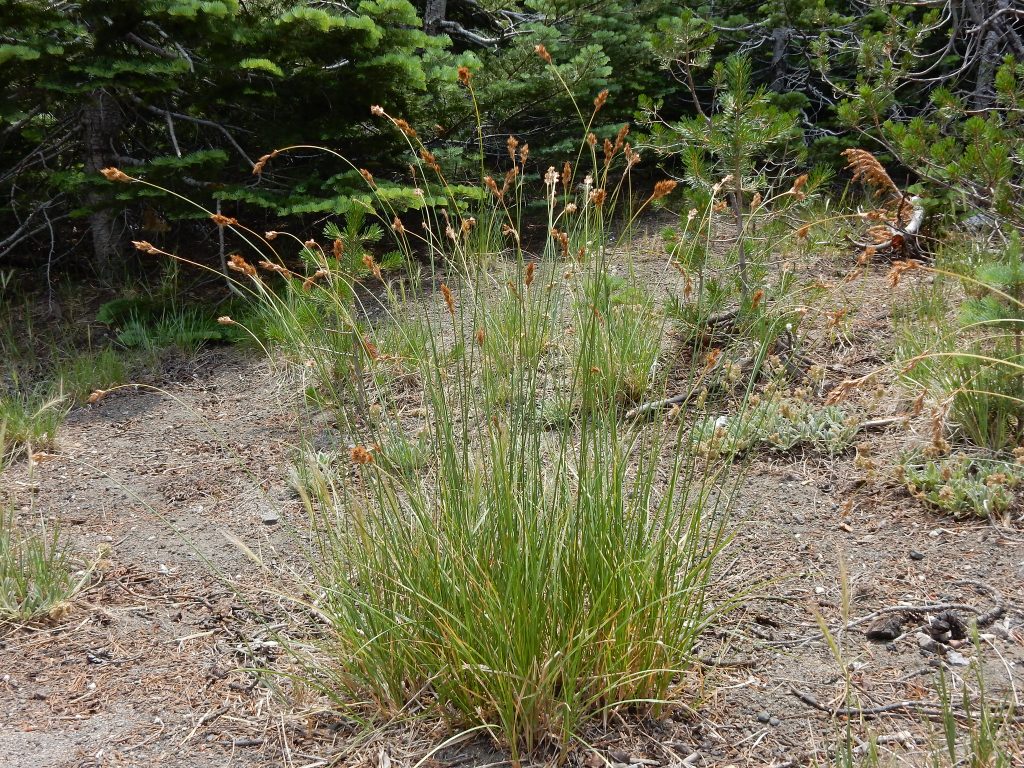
(915, 555)
(763, 717)
(271, 517)
(885, 628)
(956, 659)
(774, 721)
(925, 642)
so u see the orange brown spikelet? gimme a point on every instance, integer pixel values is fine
(509, 231)
(798, 186)
(237, 264)
(530, 269)
(524, 153)
(223, 221)
(712, 359)
(272, 267)
(271, 235)
(663, 188)
(468, 224)
(541, 51)
(430, 161)
(900, 268)
(449, 300)
(115, 174)
(338, 248)
(373, 266)
(597, 197)
(405, 128)
(609, 151)
(620, 138)
(377, 110)
(309, 281)
(867, 168)
(479, 336)
(492, 186)
(360, 456)
(510, 176)
(146, 247)
(225, 320)
(97, 395)
(396, 225)
(566, 174)
(755, 300)
(370, 348)
(599, 102)
(591, 140)
(465, 75)
(513, 144)
(802, 232)
(368, 177)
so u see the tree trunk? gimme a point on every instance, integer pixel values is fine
(101, 123)
(433, 14)
(778, 67)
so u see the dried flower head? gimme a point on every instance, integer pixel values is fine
(543, 53)
(591, 140)
(566, 174)
(528, 279)
(223, 221)
(360, 455)
(372, 265)
(899, 268)
(597, 197)
(97, 395)
(309, 281)
(338, 248)
(405, 128)
(492, 186)
(430, 161)
(146, 247)
(115, 174)
(368, 178)
(663, 188)
(513, 144)
(465, 75)
(479, 336)
(755, 300)
(271, 235)
(551, 177)
(225, 320)
(396, 224)
(377, 110)
(602, 97)
(802, 232)
(237, 264)
(866, 167)
(798, 185)
(449, 300)
(524, 153)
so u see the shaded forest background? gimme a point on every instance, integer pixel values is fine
(190, 93)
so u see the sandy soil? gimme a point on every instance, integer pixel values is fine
(149, 667)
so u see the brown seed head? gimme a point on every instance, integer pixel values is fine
(602, 97)
(449, 300)
(377, 110)
(223, 221)
(97, 395)
(396, 225)
(225, 320)
(237, 264)
(528, 279)
(866, 167)
(114, 174)
(405, 128)
(566, 174)
(309, 281)
(465, 75)
(270, 235)
(479, 337)
(663, 188)
(372, 265)
(513, 145)
(543, 53)
(368, 177)
(338, 248)
(802, 232)
(597, 197)
(146, 247)
(755, 300)
(899, 268)
(524, 153)
(360, 455)
(591, 140)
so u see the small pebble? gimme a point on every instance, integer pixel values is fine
(271, 517)
(925, 642)
(774, 721)
(956, 659)
(763, 717)
(915, 555)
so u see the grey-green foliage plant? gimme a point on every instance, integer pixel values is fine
(962, 486)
